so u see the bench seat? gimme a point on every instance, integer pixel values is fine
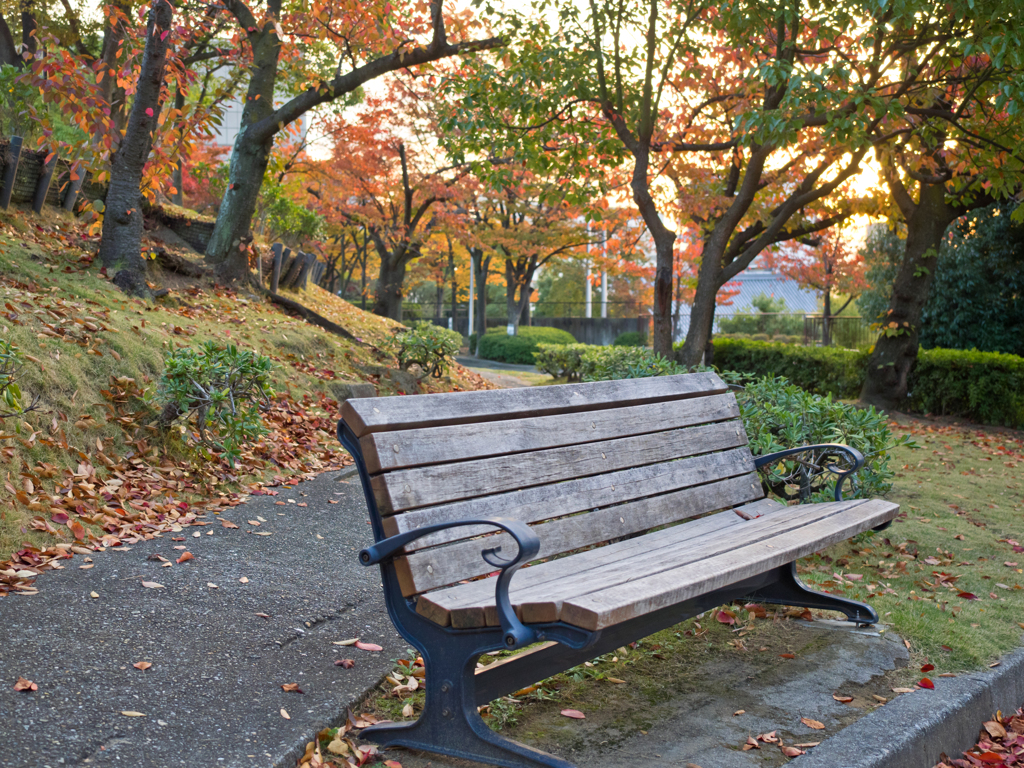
(602, 587)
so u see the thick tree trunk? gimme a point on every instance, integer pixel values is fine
(896, 349)
(387, 301)
(702, 314)
(250, 155)
(482, 268)
(518, 287)
(120, 244)
(8, 50)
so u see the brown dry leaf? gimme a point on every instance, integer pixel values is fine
(995, 729)
(263, 615)
(842, 699)
(367, 646)
(244, 580)
(292, 687)
(751, 744)
(185, 557)
(808, 745)
(792, 751)
(345, 663)
(352, 641)
(132, 713)
(25, 685)
(768, 738)
(615, 680)
(880, 699)
(227, 524)
(575, 714)
(143, 665)
(338, 746)
(253, 522)
(407, 710)
(152, 585)
(902, 690)
(739, 712)
(93, 594)
(815, 724)
(285, 714)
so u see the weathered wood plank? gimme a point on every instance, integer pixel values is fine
(440, 566)
(613, 606)
(532, 505)
(424, 486)
(444, 409)
(387, 451)
(479, 595)
(275, 270)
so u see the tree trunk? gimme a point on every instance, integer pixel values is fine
(178, 174)
(896, 349)
(120, 244)
(481, 267)
(113, 39)
(702, 314)
(387, 301)
(826, 320)
(250, 156)
(8, 51)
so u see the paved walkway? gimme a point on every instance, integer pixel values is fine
(213, 695)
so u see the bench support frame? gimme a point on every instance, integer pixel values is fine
(450, 723)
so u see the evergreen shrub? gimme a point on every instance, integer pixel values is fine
(630, 339)
(520, 349)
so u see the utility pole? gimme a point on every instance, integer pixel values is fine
(604, 293)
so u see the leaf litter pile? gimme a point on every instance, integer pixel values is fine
(1000, 743)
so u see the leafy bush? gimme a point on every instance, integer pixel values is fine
(778, 415)
(983, 386)
(429, 346)
(820, 370)
(770, 320)
(497, 345)
(561, 360)
(603, 363)
(220, 389)
(11, 403)
(630, 339)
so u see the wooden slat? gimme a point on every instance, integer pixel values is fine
(634, 561)
(388, 451)
(398, 413)
(410, 488)
(612, 606)
(476, 598)
(440, 566)
(532, 505)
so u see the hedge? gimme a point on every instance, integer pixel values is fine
(987, 387)
(498, 345)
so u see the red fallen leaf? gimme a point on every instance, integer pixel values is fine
(792, 751)
(25, 685)
(967, 595)
(926, 683)
(842, 699)
(726, 617)
(992, 758)
(185, 556)
(392, 764)
(947, 648)
(575, 714)
(927, 667)
(143, 665)
(60, 518)
(756, 610)
(228, 524)
(367, 646)
(77, 529)
(292, 687)
(787, 655)
(345, 663)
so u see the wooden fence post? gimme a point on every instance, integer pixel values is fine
(307, 264)
(13, 156)
(288, 281)
(275, 275)
(43, 185)
(74, 187)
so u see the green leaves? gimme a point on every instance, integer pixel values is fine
(429, 346)
(10, 393)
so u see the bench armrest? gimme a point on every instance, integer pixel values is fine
(517, 634)
(840, 460)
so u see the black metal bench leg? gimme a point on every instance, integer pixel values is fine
(450, 723)
(789, 590)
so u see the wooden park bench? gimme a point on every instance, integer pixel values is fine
(637, 504)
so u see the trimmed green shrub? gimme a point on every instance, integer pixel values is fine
(521, 347)
(221, 390)
(771, 319)
(427, 345)
(603, 363)
(983, 386)
(561, 360)
(778, 415)
(630, 339)
(819, 370)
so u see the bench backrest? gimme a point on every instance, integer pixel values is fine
(582, 463)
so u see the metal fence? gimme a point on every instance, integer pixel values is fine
(847, 332)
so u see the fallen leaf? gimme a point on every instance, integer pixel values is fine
(25, 685)
(131, 713)
(352, 641)
(615, 680)
(152, 585)
(292, 688)
(967, 595)
(345, 663)
(263, 615)
(93, 594)
(792, 751)
(808, 745)
(338, 746)
(880, 699)
(185, 557)
(393, 763)
(926, 683)
(253, 522)
(815, 724)
(368, 646)
(842, 699)
(739, 712)
(927, 667)
(407, 710)
(143, 665)
(991, 758)
(575, 714)
(995, 729)
(244, 580)
(902, 690)
(751, 744)
(726, 617)
(211, 585)
(285, 714)
(787, 655)
(227, 524)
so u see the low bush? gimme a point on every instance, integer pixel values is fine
(220, 390)
(10, 392)
(603, 363)
(520, 348)
(429, 346)
(983, 386)
(561, 360)
(819, 370)
(630, 339)
(778, 415)
(987, 387)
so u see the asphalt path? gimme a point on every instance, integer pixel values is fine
(213, 695)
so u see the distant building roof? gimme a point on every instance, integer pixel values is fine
(754, 282)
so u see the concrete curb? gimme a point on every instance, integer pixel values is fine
(914, 729)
